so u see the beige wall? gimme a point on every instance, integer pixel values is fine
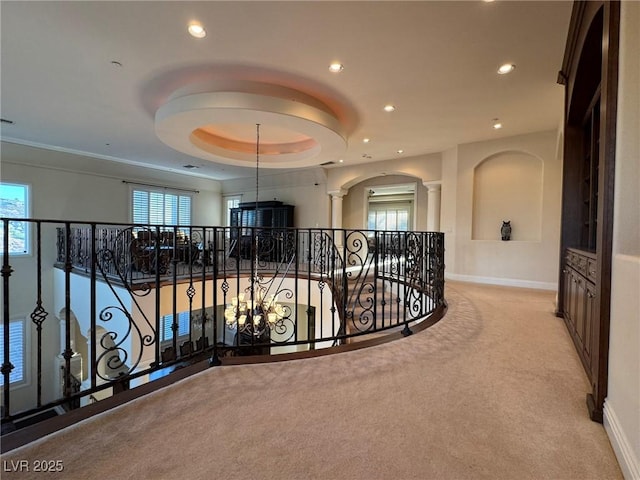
(426, 168)
(305, 189)
(66, 186)
(622, 405)
(449, 206)
(527, 263)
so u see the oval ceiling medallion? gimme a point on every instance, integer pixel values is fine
(221, 127)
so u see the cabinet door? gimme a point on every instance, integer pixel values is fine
(581, 297)
(236, 214)
(573, 300)
(567, 298)
(283, 216)
(590, 320)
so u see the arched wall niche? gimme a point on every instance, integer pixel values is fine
(507, 186)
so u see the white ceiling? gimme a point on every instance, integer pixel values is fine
(435, 61)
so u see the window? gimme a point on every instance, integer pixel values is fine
(17, 350)
(167, 321)
(389, 216)
(159, 208)
(14, 203)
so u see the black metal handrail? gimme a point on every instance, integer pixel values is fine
(133, 301)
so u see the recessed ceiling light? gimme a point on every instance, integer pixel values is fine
(506, 68)
(336, 67)
(341, 161)
(400, 151)
(197, 30)
(496, 124)
(389, 108)
(366, 140)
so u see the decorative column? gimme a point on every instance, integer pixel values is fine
(336, 212)
(433, 206)
(336, 207)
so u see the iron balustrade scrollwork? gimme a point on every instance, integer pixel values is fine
(138, 301)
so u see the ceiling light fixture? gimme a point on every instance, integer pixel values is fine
(196, 30)
(506, 68)
(366, 140)
(257, 315)
(389, 108)
(210, 126)
(341, 161)
(496, 124)
(400, 151)
(336, 67)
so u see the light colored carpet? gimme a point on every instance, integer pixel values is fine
(494, 390)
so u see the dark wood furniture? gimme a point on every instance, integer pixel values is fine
(590, 74)
(579, 284)
(267, 217)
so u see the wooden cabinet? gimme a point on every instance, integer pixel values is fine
(580, 312)
(589, 74)
(266, 219)
(579, 303)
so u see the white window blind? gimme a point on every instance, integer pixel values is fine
(160, 208)
(17, 350)
(393, 216)
(183, 326)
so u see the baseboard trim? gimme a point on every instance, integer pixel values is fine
(629, 464)
(506, 282)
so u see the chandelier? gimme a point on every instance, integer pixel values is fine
(260, 313)
(257, 316)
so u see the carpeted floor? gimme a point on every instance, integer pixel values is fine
(494, 390)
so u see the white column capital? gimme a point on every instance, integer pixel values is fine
(433, 186)
(338, 193)
(336, 208)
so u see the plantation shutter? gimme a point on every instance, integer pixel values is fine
(183, 325)
(16, 350)
(389, 216)
(158, 208)
(184, 210)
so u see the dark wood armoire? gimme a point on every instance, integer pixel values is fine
(590, 76)
(267, 216)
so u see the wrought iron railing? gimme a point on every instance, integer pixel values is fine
(106, 307)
